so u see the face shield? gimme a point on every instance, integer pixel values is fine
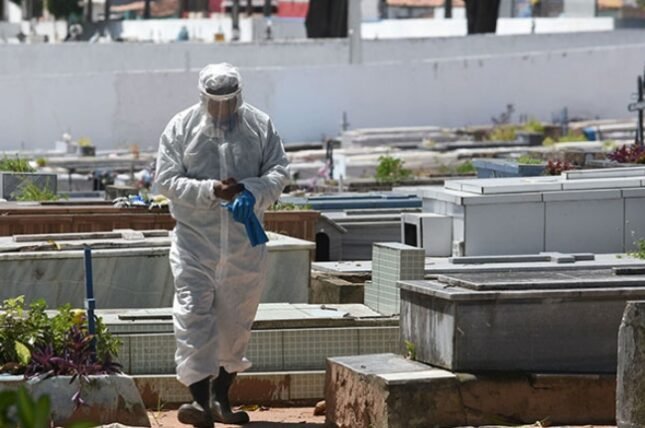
(220, 88)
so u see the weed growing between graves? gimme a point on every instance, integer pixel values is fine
(391, 170)
(640, 251)
(28, 191)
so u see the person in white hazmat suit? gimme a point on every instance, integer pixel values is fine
(220, 151)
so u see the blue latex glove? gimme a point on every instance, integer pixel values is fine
(242, 206)
(242, 210)
(255, 231)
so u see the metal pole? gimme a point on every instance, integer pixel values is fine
(236, 20)
(249, 7)
(267, 11)
(106, 12)
(88, 18)
(447, 9)
(90, 303)
(354, 32)
(146, 9)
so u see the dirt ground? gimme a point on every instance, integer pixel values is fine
(301, 417)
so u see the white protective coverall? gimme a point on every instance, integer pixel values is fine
(219, 277)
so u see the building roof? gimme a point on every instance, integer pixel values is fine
(158, 8)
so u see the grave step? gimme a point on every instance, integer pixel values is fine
(285, 337)
(261, 388)
(386, 390)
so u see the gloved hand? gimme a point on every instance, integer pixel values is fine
(227, 189)
(255, 232)
(242, 206)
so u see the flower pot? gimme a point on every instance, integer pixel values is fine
(87, 150)
(107, 399)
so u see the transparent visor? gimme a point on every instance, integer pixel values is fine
(220, 111)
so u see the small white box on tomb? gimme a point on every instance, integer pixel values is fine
(432, 232)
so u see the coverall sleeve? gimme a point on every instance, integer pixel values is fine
(273, 174)
(170, 177)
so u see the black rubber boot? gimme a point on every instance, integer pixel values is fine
(197, 413)
(220, 405)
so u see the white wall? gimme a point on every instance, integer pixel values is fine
(83, 57)
(120, 108)
(398, 28)
(166, 30)
(579, 8)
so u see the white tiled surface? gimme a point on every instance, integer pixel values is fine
(152, 353)
(124, 354)
(378, 341)
(265, 350)
(371, 295)
(269, 350)
(308, 349)
(392, 263)
(594, 226)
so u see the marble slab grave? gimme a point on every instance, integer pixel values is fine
(561, 321)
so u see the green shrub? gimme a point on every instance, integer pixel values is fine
(572, 137)
(15, 165)
(28, 191)
(19, 409)
(391, 170)
(503, 133)
(26, 329)
(466, 168)
(533, 125)
(529, 160)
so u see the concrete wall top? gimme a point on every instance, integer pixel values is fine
(45, 59)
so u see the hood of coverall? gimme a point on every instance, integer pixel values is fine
(220, 90)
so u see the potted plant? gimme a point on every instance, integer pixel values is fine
(59, 358)
(626, 155)
(557, 167)
(86, 148)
